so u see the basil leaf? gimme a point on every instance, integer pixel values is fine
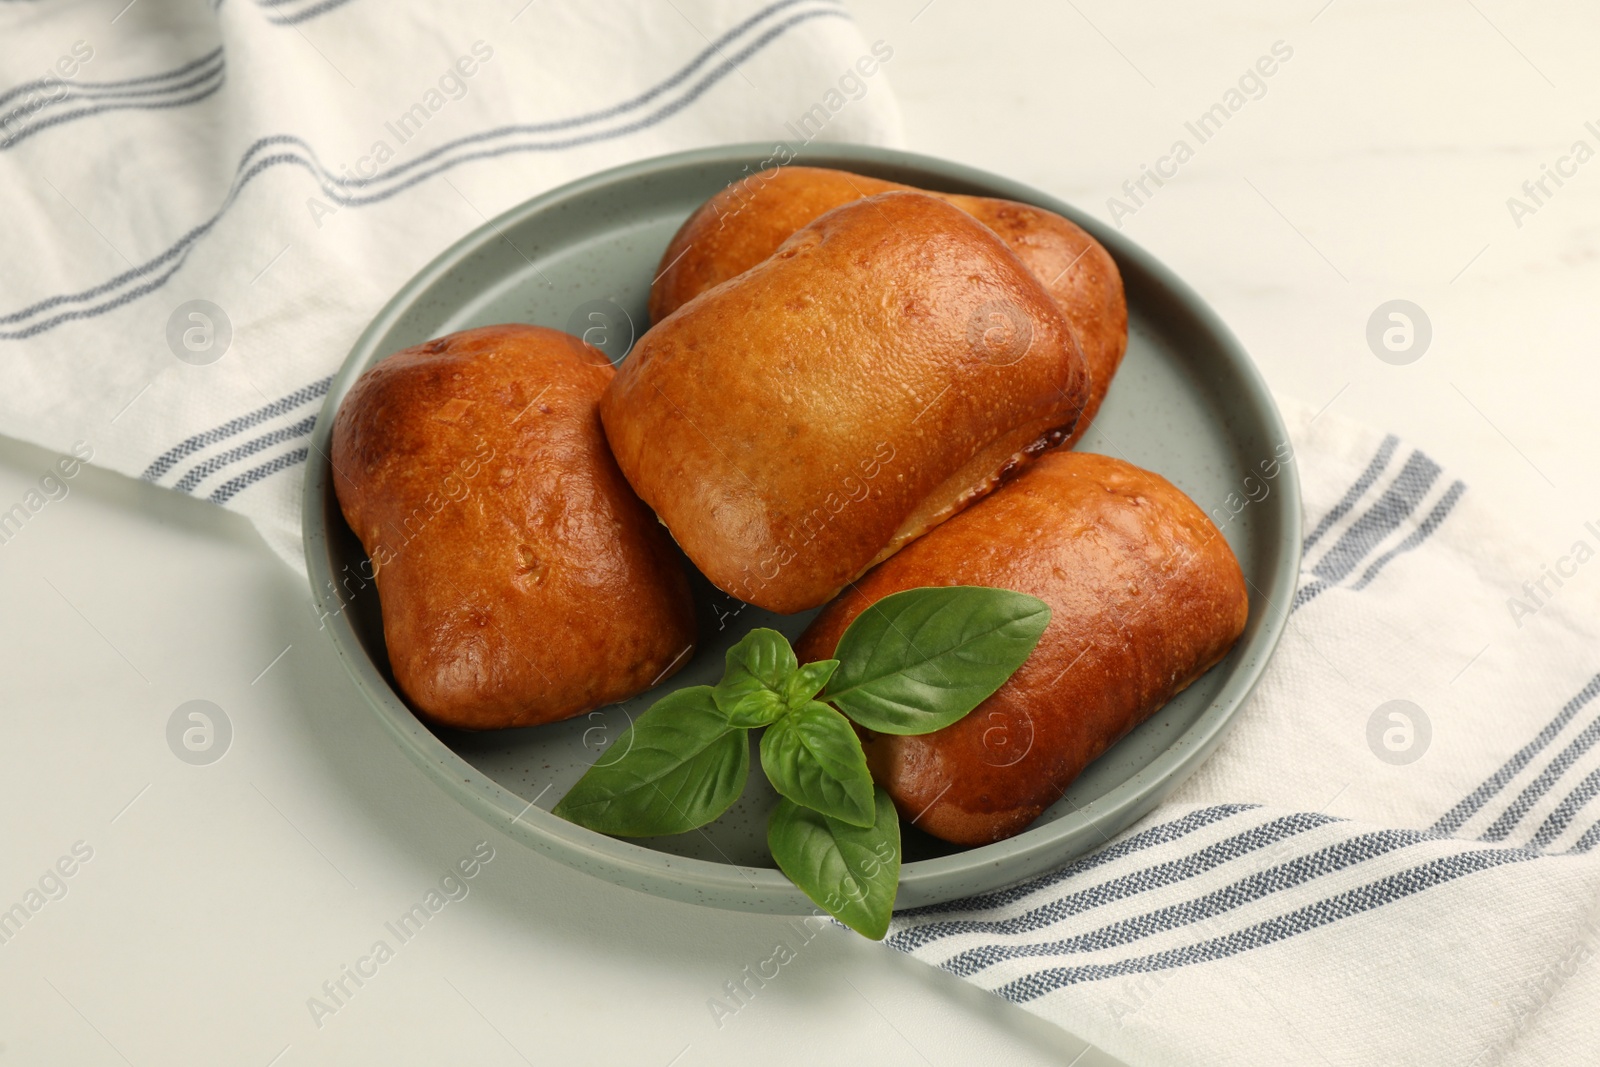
(851, 872)
(807, 682)
(758, 670)
(919, 660)
(813, 757)
(682, 765)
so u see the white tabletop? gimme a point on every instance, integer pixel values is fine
(1375, 163)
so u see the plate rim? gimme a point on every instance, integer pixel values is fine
(764, 889)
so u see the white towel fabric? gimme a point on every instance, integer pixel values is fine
(1336, 885)
(293, 162)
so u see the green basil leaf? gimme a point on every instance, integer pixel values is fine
(807, 682)
(813, 757)
(681, 765)
(755, 679)
(851, 872)
(919, 660)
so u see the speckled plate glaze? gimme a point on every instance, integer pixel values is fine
(1187, 403)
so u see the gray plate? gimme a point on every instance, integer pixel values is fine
(1187, 403)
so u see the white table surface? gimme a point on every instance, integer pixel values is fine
(1376, 165)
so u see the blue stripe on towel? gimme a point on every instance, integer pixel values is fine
(1380, 520)
(202, 471)
(1589, 839)
(119, 105)
(1296, 872)
(294, 18)
(191, 445)
(185, 84)
(1457, 816)
(109, 88)
(1424, 530)
(227, 489)
(1161, 875)
(1321, 913)
(1396, 504)
(1525, 800)
(1156, 835)
(1380, 461)
(170, 261)
(1557, 822)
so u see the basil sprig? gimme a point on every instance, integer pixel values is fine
(914, 662)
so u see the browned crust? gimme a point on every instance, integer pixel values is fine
(807, 418)
(747, 221)
(1146, 596)
(521, 580)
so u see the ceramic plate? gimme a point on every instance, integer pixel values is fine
(1187, 404)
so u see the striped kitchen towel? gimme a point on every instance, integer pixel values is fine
(206, 202)
(1391, 858)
